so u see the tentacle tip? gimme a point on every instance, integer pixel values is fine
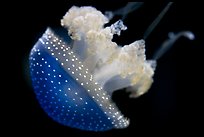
(109, 14)
(190, 35)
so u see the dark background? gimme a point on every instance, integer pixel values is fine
(174, 102)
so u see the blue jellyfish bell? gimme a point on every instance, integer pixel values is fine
(66, 90)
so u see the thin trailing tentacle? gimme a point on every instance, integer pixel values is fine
(157, 20)
(124, 11)
(169, 43)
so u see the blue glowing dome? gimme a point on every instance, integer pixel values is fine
(66, 90)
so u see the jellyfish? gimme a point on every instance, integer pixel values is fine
(74, 82)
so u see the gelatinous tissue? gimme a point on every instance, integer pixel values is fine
(74, 82)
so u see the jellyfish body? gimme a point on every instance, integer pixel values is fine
(74, 82)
